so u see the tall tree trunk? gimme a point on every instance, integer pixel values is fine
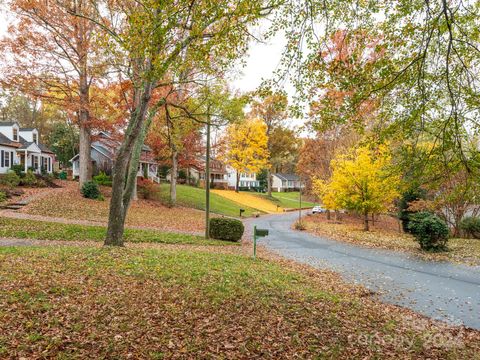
(126, 166)
(237, 185)
(366, 226)
(207, 184)
(85, 158)
(173, 178)
(269, 182)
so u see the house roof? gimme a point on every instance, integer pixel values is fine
(8, 123)
(21, 144)
(7, 142)
(287, 177)
(24, 144)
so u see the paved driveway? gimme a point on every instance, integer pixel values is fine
(440, 290)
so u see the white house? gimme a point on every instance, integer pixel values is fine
(103, 151)
(247, 179)
(21, 146)
(286, 182)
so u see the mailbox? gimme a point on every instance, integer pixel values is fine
(241, 212)
(261, 232)
(257, 233)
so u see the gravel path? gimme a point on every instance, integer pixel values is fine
(440, 290)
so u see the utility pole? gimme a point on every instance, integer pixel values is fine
(207, 183)
(300, 207)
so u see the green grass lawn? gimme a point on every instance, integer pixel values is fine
(41, 230)
(288, 200)
(193, 197)
(78, 303)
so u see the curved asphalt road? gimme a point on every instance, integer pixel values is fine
(440, 290)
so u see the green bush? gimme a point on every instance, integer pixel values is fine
(3, 196)
(10, 179)
(103, 179)
(408, 197)
(62, 175)
(19, 169)
(429, 230)
(226, 229)
(90, 190)
(29, 179)
(471, 226)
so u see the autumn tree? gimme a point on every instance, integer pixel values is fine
(362, 180)
(151, 44)
(50, 54)
(271, 108)
(284, 147)
(245, 147)
(177, 142)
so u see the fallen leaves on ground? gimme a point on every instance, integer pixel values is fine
(71, 302)
(67, 203)
(43, 230)
(250, 200)
(385, 234)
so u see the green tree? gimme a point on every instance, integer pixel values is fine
(156, 42)
(63, 140)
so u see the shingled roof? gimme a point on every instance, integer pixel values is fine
(287, 177)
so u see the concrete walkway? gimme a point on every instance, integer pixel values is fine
(440, 290)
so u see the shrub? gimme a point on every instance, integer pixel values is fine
(18, 169)
(409, 196)
(299, 225)
(103, 179)
(90, 190)
(226, 229)
(10, 179)
(429, 230)
(29, 179)
(41, 183)
(3, 196)
(147, 189)
(471, 226)
(62, 175)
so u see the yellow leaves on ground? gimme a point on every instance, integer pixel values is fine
(250, 200)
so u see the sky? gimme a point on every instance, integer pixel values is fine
(260, 63)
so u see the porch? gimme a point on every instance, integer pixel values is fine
(35, 161)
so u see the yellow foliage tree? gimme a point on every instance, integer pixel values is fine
(362, 180)
(245, 147)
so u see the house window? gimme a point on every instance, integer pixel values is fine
(35, 162)
(7, 159)
(35, 140)
(15, 134)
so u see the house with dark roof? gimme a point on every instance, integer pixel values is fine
(21, 146)
(102, 152)
(218, 173)
(282, 182)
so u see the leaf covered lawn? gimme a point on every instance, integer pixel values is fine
(67, 203)
(43, 230)
(250, 199)
(349, 229)
(70, 303)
